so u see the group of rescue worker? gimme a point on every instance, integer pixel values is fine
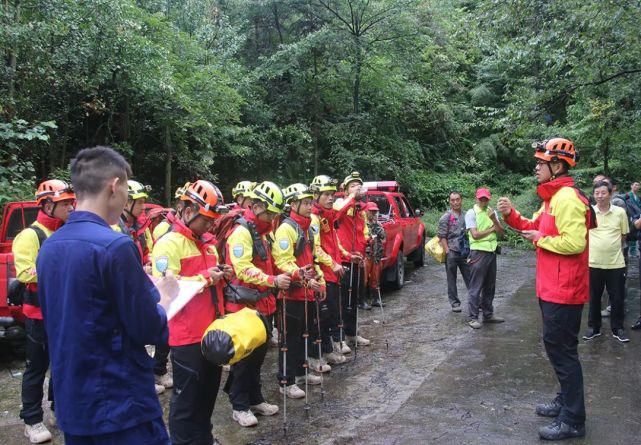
(303, 258)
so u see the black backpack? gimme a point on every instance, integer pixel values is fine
(17, 289)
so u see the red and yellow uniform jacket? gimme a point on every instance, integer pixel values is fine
(348, 215)
(25, 248)
(562, 273)
(292, 251)
(190, 259)
(328, 249)
(163, 226)
(140, 234)
(252, 268)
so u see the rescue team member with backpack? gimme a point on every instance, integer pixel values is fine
(55, 199)
(241, 194)
(100, 310)
(196, 380)
(137, 229)
(329, 254)
(375, 252)
(293, 252)
(165, 225)
(248, 251)
(559, 230)
(352, 235)
(132, 224)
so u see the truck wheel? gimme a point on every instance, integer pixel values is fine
(399, 272)
(419, 257)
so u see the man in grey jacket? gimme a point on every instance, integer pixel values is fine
(451, 233)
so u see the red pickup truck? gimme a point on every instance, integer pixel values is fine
(404, 229)
(15, 217)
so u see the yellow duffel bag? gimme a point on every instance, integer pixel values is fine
(232, 338)
(435, 250)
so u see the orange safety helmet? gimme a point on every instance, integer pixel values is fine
(55, 190)
(556, 149)
(208, 198)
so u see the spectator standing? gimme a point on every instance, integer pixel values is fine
(483, 229)
(452, 236)
(607, 264)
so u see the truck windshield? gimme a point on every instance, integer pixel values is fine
(383, 205)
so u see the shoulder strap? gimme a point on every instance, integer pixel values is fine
(42, 236)
(258, 248)
(592, 223)
(300, 243)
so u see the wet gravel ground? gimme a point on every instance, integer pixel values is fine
(429, 378)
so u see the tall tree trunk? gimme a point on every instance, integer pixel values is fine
(358, 62)
(13, 59)
(168, 151)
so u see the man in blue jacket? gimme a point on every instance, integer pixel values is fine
(100, 310)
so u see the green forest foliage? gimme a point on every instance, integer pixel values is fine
(437, 94)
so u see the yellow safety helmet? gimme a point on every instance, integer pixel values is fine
(323, 183)
(297, 192)
(271, 195)
(243, 188)
(180, 191)
(136, 190)
(354, 176)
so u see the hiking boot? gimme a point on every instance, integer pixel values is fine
(292, 391)
(37, 433)
(273, 341)
(592, 333)
(551, 409)
(312, 379)
(341, 347)
(456, 307)
(265, 409)
(619, 334)
(362, 341)
(636, 326)
(319, 365)
(558, 430)
(159, 389)
(474, 324)
(335, 358)
(493, 319)
(365, 306)
(165, 380)
(245, 418)
(377, 303)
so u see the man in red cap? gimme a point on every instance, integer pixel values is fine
(483, 231)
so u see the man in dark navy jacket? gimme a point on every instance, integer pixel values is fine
(100, 310)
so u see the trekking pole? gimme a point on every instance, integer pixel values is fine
(306, 363)
(318, 342)
(283, 348)
(349, 289)
(358, 284)
(380, 304)
(341, 335)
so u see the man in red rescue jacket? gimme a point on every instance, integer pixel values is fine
(191, 257)
(559, 230)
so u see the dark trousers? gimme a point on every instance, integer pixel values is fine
(614, 281)
(453, 262)
(335, 312)
(34, 375)
(243, 384)
(148, 433)
(482, 283)
(161, 353)
(328, 317)
(355, 277)
(561, 324)
(294, 340)
(196, 383)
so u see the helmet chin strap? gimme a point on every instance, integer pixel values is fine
(53, 210)
(552, 175)
(131, 209)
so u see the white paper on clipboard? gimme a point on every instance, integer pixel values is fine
(187, 290)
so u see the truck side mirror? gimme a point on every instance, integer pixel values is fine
(418, 212)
